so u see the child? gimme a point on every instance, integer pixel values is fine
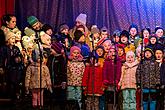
(148, 77)
(111, 73)
(124, 40)
(75, 70)
(121, 53)
(128, 82)
(92, 81)
(32, 80)
(162, 80)
(145, 35)
(14, 65)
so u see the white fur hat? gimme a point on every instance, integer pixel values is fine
(82, 18)
(130, 53)
(9, 35)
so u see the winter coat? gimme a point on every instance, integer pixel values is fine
(93, 80)
(128, 76)
(148, 73)
(162, 73)
(32, 79)
(75, 71)
(108, 71)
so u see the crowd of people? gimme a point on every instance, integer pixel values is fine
(83, 68)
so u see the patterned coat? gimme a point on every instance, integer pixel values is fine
(128, 76)
(148, 73)
(32, 79)
(75, 71)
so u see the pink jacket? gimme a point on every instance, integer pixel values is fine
(128, 76)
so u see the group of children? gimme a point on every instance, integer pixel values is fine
(83, 66)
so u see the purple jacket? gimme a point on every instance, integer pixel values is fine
(108, 71)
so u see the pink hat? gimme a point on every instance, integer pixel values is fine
(72, 49)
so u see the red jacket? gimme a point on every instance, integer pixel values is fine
(92, 81)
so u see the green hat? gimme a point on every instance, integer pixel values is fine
(32, 20)
(28, 31)
(150, 50)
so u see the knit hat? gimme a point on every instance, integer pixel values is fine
(32, 20)
(77, 35)
(82, 18)
(9, 35)
(63, 26)
(28, 31)
(158, 28)
(133, 26)
(130, 53)
(116, 33)
(149, 49)
(27, 42)
(72, 49)
(94, 30)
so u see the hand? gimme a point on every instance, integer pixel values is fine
(27, 90)
(63, 84)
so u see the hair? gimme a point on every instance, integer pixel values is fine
(146, 28)
(6, 18)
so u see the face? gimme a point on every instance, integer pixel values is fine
(158, 54)
(49, 32)
(146, 34)
(82, 39)
(133, 31)
(112, 53)
(100, 52)
(11, 41)
(65, 31)
(120, 51)
(148, 54)
(153, 40)
(96, 35)
(18, 35)
(116, 38)
(12, 23)
(130, 59)
(75, 54)
(159, 33)
(124, 39)
(106, 46)
(78, 23)
(104, 34)
(37, 26)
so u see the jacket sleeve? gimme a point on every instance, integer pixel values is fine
(122, 75)
(85, 76)
(28, 76)
(138, 74)
(157, 73)
(47, 76)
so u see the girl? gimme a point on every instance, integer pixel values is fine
(128, 82)
(75, 70)
(32, 80)
(92, 81)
